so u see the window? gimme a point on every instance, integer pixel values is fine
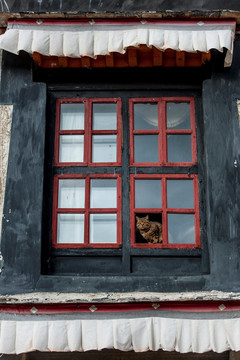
(88, 132)
(87, 193)
(87, 208)
(162, 132)
(87, 211)
(172, 201)
(164, 208)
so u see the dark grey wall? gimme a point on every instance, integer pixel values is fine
(21, 236)
(222, 144)
(23, 203)
(123, 6)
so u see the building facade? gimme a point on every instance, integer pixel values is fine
(120, 179)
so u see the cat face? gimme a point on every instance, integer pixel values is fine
(143, 223)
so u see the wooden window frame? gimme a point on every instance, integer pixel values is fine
(87, 210)
(172, 168)
(162, 130)
(87, 132)
(164, 210)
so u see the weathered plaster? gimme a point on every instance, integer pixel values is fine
(58, 298)
(238, 106)
(5, 130)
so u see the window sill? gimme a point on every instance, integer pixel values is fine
(107, 297)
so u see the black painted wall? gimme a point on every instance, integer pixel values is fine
(115, 6)
(22, 225)
(22, 221)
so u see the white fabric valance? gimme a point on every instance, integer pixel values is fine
(138, 334)
(93, 39)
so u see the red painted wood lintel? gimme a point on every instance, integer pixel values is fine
(185, 306)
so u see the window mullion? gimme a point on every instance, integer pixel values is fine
(164, 211)
(197, 210)
(127, 156)
(194, 135)
(88, 127)
(87, 207)
(162, 135)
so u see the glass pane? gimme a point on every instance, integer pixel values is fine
(104, 148)
(146, 148)
(145, 116)
(103, 228)
(72, 117)
(179, 148)
(104, 117)
(71, 148)
(181, 229)
(180, 194)
(178, 116)
(71, 193)
(103, 193)
(70, 228)
(148, 194)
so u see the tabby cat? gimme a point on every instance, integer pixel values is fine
(150, 230)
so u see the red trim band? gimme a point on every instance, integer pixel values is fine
(123, 22)
(199, 307)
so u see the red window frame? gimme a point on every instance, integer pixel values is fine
(87, 211)
(164, 210)
(162, 130)
(87, 132)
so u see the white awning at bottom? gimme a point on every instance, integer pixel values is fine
(138, 334)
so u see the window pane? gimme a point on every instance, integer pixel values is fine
(179, 148)
(71, 193)
(180, 194)
(71, 148)
(70, 228)
(148, 194)
(104, 148)
(178, 116)
(146, 148)
(181, 229)
(103, 193)
(145, 116)
(72, 117)
(103, 228)
(104, 117)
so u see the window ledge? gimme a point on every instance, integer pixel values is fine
(59, 298)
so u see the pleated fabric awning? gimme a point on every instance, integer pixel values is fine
(185, 333)
(94, 38)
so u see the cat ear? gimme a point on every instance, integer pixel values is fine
(147, 217)
(137, 218)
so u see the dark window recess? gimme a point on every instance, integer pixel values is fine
(123, 188)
